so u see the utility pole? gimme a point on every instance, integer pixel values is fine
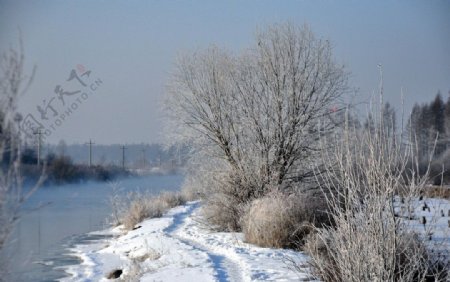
(143, 157)
(123, 156)
(179, 155)
(39, 133)
(18, 118)
(90, 151)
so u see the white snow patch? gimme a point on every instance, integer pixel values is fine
(178, 247)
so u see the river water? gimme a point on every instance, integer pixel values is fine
(56, 218)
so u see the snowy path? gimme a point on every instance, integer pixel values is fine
(226, 268)
(177, 247)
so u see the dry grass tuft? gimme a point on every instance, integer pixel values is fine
(437, 192)
(140, 206)
(372, 167)
(190, 193)
(223, 212)
(171, 200)
(280, 220)
(412, 260)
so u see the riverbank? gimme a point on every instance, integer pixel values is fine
(57, 217)
(180, 247)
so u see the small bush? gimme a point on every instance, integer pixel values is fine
(171, 200)
(412, 260)
(323, 265)
(280, 220)
(437, 192)
(229, 197)
(190, 193)
(369, 242)
(141, 208)
(196, 182)
(223, 212)
(62, 169)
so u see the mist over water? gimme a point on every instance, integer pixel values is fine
(57, 217)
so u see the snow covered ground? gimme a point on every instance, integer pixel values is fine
(431, 220)
(179, 247)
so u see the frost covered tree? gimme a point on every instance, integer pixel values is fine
(260, 112)
(429, 124)
(13, 83)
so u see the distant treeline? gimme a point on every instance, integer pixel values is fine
(429, 125)
(61, 170)
(136, 155)
(64, 163)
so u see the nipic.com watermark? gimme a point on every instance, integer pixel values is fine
(67, 99)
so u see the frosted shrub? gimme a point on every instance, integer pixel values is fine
(224, 208)
(170, 199)
(280, 220)
(138, 207)
(369, 242)
(142, 208)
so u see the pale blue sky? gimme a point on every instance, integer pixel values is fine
(131, 47)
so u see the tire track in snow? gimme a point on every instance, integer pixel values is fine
(226, 268)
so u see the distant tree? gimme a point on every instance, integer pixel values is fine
(29, 156)
(62, 148)
(429, 125)
(413, 124)
(61, 170)
(389, 119)
(50, 157)
(437, 109)
(447, 121)
(423, 132)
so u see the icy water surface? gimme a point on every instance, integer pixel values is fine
(56, 218)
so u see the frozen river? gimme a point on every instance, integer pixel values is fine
(57, 217)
